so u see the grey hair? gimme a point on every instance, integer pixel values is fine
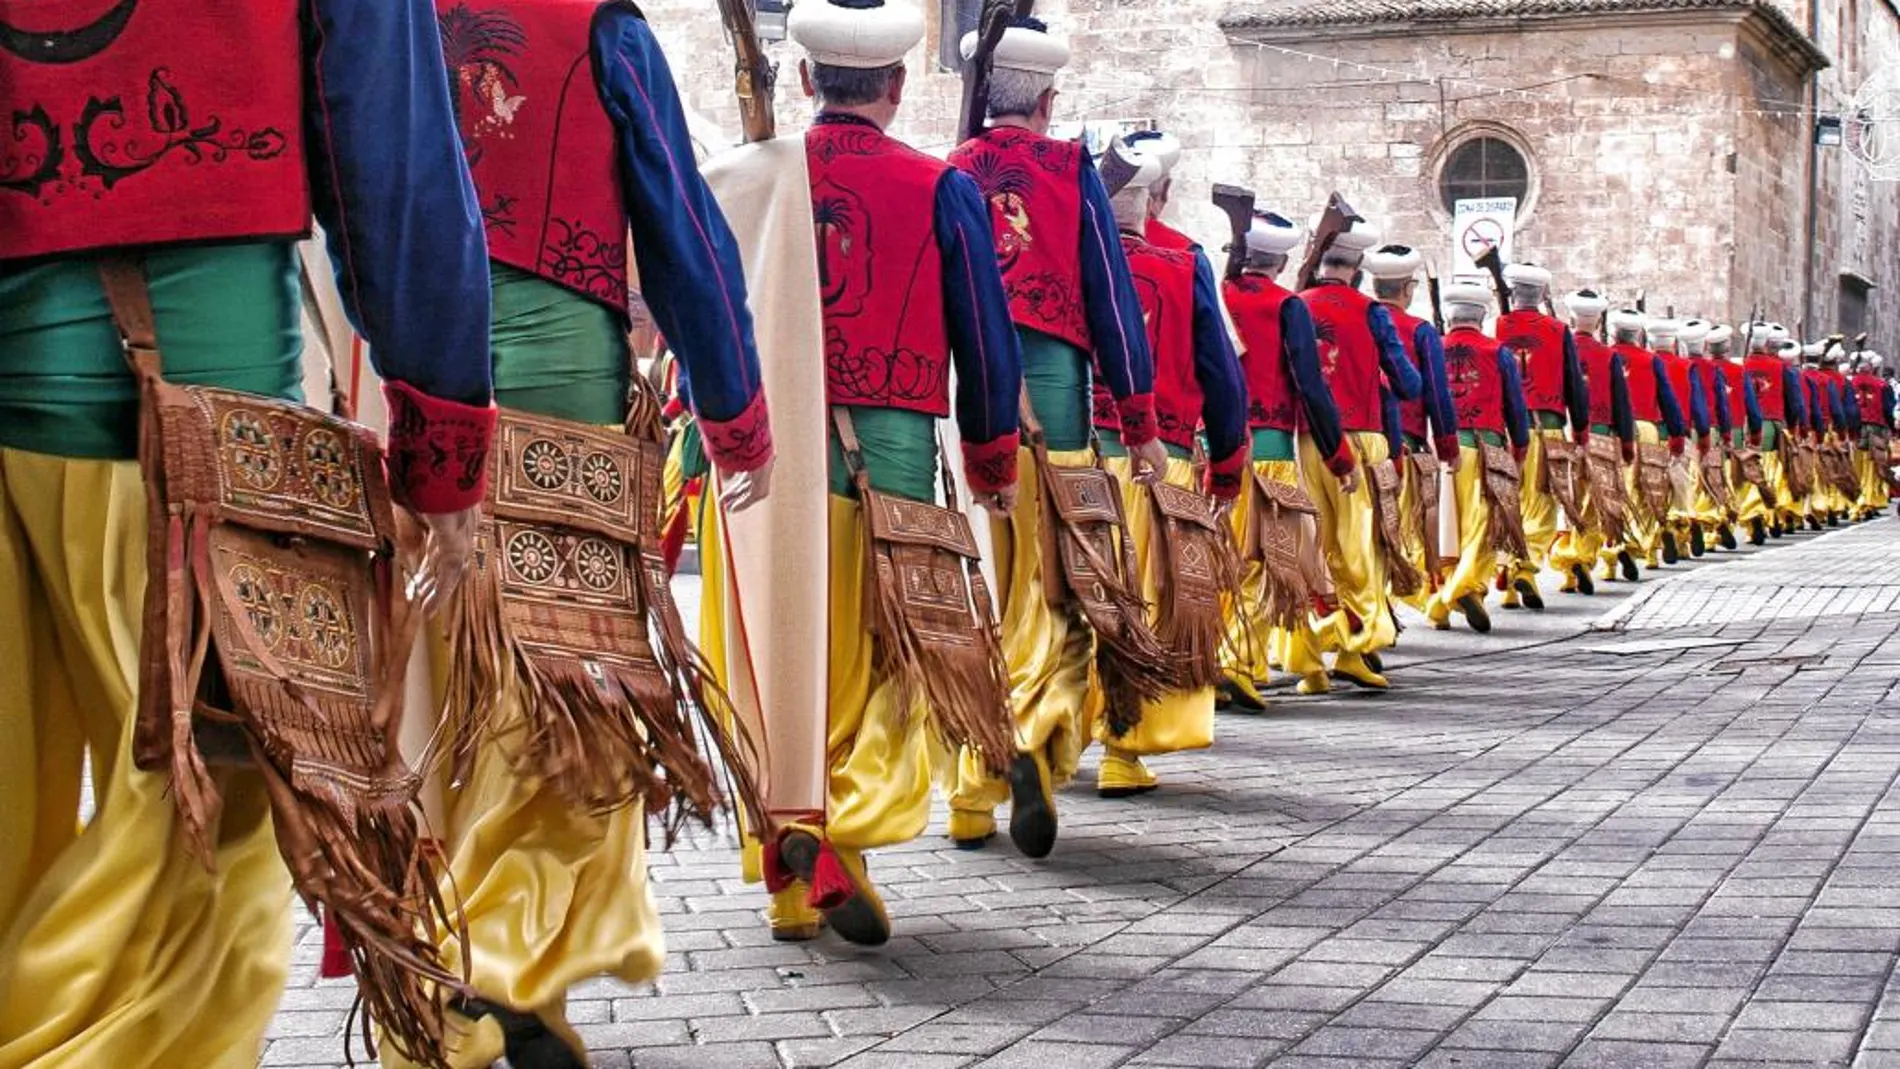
(1014, 92)
(850, 87)
(1390, 289)
(1271, 263)
(1461, 312)
(1130, 206)
(1626, 333)
(1338, 257)
(1721, 348)
(1525, 295)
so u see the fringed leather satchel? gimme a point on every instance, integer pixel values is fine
(1566, 476)
(1652, 481)
(1421, 517)
(1609, 503)
(1198, 574)
(1748, 462)
(1286, 543)
(1503, 487)
(275, 637)
(1713, 472)
(1089, 562)
(1401, 573)
(930, 613)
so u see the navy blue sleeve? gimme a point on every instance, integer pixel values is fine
(1794, 398)
(1516, 417)
(1300, 345)
(1217, 370)
(1576, 387)
(1108, 297)
(690, 271)
(1719, 383)
(1698, 401)
(1622, 413)
(1389, 419)
(1751, 402)
(1436, 385)
(1888, 401)
(1838, 404)
(1666, 399)
(1400, 375)
(389, 183)
(983, 342)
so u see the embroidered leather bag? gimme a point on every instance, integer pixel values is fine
(1401, 573)
(569, 613)
(1714, 476)
(1197, 572)
(1652, 481)
(1753, 472)
(1421, 519)
(1503, 483)
(930, 613)
(275, 638)
(1609, 502)
(1286, 543)
(1565, 476)
(1089, 564)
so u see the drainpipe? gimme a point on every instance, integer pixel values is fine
(1813, 96)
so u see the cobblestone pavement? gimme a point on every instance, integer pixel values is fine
(1678, 845)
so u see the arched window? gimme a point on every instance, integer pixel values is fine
(1484, 167)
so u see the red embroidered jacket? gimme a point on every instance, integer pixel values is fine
(1547, 355)
(1358, 345)
(1651, 398)
(1286, 390)
(1484, 385)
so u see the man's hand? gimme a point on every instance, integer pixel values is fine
(1457, 461)
(1000, 503)
(447, 546)
(1349, 482)
(743, 489)
(1150, 461)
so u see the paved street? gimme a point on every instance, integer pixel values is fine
(1672, 840)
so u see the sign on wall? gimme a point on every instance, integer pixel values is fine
(1477, 224)
(1095, 134)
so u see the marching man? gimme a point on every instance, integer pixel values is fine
(1653, 403)
(1746, 504)
(1074, 306)
(1360, 351)
(1493, 434)
(1198, 386)
(1165, 150)
(1288, 403)
(1558, 398)
(1612, 449)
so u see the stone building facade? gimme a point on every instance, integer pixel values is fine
(1660, 147)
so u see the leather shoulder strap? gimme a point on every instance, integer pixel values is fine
(123, 275)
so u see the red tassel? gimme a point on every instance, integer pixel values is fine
(336, 956)
(1354, 624)
(777, 876)
(673, 539)
(831, 882)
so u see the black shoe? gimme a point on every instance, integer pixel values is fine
(1376, 663)
(1628, 564)
(1698, 542)
(1833, 519)
(1032, 819)
(1234, 699)
(1813, 524)
(1669, 554)
(1472, 606)
(1726, 536)
(1527, 591)
(1586, 585)
(1757, 533)
(529, 1043)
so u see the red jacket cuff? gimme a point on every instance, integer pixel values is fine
(991, 466)
(1629, 452)
(1702, 442)
(1226, 475)
(1447, 447)
(1137, 412)
(742, 443)
(1581, 434)
(1342, 461)
(673, 409)
(438, 450)
(1677, 444)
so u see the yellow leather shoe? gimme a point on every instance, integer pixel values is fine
(970, 829)
(791, 916)
(1352, 667)
(1314, 683)
(1122, 775)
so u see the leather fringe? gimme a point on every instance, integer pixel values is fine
(1190, 620)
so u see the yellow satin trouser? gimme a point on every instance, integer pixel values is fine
(1181, 720)
(1775, 465)
(1346, 529)
(1252, 647)
(1874, 494)
(1746, 496)
(1477, 563)
(117, 951)
(552, 896)
(1538, 507)
(1581, 544)
(878, 789)
(1048, 650)
(1642, 534)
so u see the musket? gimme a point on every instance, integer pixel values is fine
(753, 75)
(1238, 203)
(996, 18)
(1493, 262)
(1438, 305)
(1337, 219)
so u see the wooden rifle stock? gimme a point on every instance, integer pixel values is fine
(1493, 263)
(753, 75)
(996, 17)
(1238, 204)
(1438, 305)
(1337, 219)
